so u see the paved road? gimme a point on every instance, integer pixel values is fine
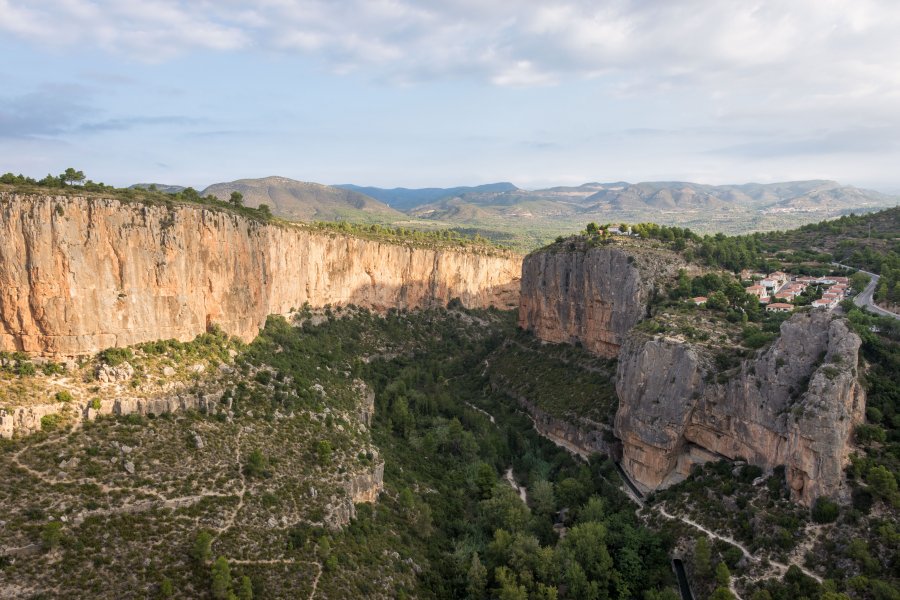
(864, 298)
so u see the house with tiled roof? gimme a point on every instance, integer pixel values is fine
(779, 307)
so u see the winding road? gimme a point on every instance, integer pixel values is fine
(866, 297)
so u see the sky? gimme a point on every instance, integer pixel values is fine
(452, 92)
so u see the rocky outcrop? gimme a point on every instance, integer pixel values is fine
(793, 404)
(365, 486)
(575, 292)
(27, 419)
(362, 487)
(78, 275)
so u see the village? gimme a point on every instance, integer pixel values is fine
(778, 291)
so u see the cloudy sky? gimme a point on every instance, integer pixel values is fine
(450, 92)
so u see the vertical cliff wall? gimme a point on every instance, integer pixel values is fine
(576, 292)
(81, 274)
(794, 404)
(593, 297)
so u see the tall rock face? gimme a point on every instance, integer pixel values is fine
(574, 292)
(81, 274)
(793, 404)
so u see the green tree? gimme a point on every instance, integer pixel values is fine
(507, 587)
(542, 498)
(324, 546)
(51, 535)
(702, 558)
(586, 544)
(323, 452)
(245, 589)
(202, 550)
(825, 510)
(579, 585)
(717, 301)
(723, 575)
(593, 510)
(592, 228)
(485, 479)
(71, 176)
(264, 211)
(257, 465)
(722, 593)
(236, 199)
(221, 579)
(476, 578)
(882, 481)
(166, 589)
(859, 281)
(663, 594)
(570, 492)
(503, 510)
(400, 416)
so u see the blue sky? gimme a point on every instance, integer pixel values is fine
(404, 93)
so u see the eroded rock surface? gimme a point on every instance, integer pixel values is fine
(793, 404)
(592, 295)
(78, 275)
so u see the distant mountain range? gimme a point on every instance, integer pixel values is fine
(530, 217)
(406, 198)
(162, 187)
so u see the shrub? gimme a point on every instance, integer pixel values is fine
(95, 403)
(257, 465)
(202, 550)
(63, 396)
(52, 368)
(115, 356)
(51, 534)
(166, 590)
(870, 433)
(825, 510)
(25, 368)
(50, 422)
(323, 451)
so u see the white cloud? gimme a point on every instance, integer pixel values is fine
(806, 41)
(804, 78)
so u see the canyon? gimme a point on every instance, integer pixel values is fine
(80, 274)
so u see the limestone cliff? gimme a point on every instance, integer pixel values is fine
(576, 292)
(81, 274)
(793, 404)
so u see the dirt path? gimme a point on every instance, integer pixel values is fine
(523, 493)
(484, 412)
(229, 521)
(775, 567)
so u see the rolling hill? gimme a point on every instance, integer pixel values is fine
(162, 187)
(529, 218)
(705, 208)
(407, 198)
(300, 200)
